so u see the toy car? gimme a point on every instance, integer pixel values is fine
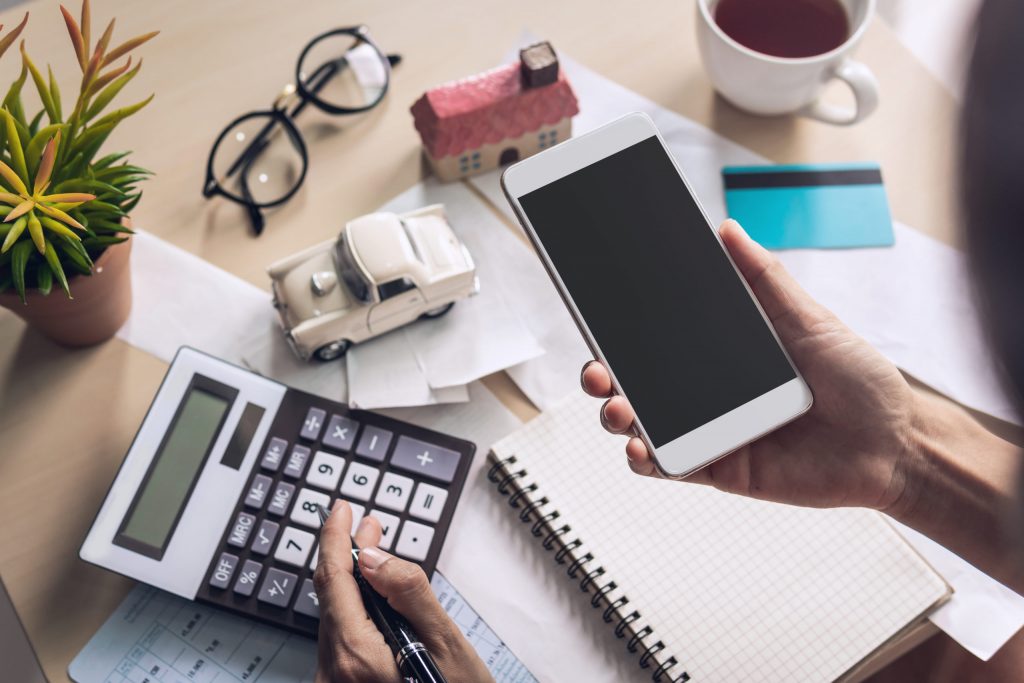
(383, 271)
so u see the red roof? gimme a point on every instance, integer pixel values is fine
(487, 108)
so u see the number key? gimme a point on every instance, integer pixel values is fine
(325, 471)
(304, 512)
(359, 481)
(388, 527)
(308, 603)
(294, 547)
(394, 491)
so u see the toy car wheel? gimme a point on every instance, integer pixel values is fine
(332, 351)
(438, 312)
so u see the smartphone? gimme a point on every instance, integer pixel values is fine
(655, 294)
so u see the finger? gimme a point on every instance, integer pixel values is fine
(781, 297)
(617, 415)
(341, 607)
(640, 459)
(408, 591)
(368, 533)
(595, 380)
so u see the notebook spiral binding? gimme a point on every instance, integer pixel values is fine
(559, 539)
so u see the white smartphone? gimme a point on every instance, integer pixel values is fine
(655, 294)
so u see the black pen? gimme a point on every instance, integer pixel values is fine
(411, 655)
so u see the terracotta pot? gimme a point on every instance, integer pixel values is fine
(100, 306)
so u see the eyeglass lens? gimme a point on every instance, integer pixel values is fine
(345, 71)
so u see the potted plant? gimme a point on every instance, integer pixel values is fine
(64, 208)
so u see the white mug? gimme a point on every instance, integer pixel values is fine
(763, 84)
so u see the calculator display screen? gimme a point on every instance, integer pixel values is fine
(173, 472)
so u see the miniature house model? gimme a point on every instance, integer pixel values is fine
(497, 117)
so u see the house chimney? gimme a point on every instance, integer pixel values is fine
(539, 65)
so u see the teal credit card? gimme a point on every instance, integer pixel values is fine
(810, 206)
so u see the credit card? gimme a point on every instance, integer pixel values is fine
(810, 206)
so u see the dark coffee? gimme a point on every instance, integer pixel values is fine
(785, 28)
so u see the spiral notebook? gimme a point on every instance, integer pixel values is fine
(731, 589)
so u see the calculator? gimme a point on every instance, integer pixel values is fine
(216, 498)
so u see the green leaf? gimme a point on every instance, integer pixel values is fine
(54, 262)
(19, 261)
(55, 93)
(5, 281)
(33, 125)
(96, 205)
(99, 224)
(44, 279)
(41, 87)
(129, 205)
(34, 151)
(14, 146)
(12, 101)
(78, 257)
(109, 159)
(96, 187)
(118, 115)
(110, 92)
(15, 232)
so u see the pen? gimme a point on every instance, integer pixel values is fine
(411, 655)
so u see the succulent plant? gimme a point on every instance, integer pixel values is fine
(61, 207)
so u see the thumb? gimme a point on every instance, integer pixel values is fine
(408, 591)
(790, 308)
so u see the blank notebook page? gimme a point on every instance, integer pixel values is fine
(737, 589)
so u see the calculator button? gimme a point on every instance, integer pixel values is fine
(316, 556)
(304, 511)
(282, 496)
(341, 432)
(325, 471)
(258, 491)
(388, 526)
(265, 536)
(274, 454)
(414, 541)
(294, 547)
(428, 502)
(313, 423)
(241, 530)
(277, 587)
(359, 481)
(373, 443)
(296, 462)
(428, 460)
(307, 603)
(224, 570)
(394, 491)
(248, 577)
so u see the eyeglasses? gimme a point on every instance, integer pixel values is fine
(259, 160)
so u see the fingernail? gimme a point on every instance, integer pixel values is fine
(371, 558)
(583, 372)
(364, 523)
(338, 505)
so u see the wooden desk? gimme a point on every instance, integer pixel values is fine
(67, 417)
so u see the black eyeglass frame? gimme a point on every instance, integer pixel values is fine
(307, 90)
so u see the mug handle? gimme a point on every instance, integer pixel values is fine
(865, 91)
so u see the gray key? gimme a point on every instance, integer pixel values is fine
(373, 443)
(248, 577)
(258, 491)
(296, 462)
(428, 460)
(307, 603)
(341, 432)
(265, 536)
(282, 496)
(278, 587)
(240, 531)
(313, 423)
(224, 570)
(274, 454)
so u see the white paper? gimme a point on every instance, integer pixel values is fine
(911, 301)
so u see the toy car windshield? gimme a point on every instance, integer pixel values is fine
(350, 272)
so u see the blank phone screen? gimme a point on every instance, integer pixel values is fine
(660, 297)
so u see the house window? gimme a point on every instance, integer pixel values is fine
(464, 163)
(543, 139)
(476, 156)
(554, 136)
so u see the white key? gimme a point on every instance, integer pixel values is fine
(304, 511)
(394, 491)
(325, 471)
(427, 502)
(359, 481)
(316, 556)
(294, 547)
(414, 542)
(388, 525)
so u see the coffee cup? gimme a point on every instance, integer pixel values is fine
(802, 54)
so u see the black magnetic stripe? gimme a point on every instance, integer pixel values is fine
(749, 181)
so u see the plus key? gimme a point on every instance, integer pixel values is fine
(425, 459)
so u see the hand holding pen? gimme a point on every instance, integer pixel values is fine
(352, 647)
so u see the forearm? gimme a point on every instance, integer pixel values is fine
(960, 485)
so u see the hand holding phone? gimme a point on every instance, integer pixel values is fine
(846, 450)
